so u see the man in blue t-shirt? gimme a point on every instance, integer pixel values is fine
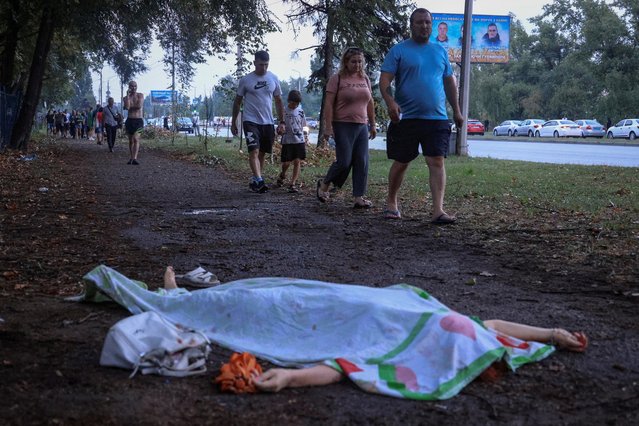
(424, 80)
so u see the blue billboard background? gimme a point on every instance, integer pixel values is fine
(486, 46)
(162, 96)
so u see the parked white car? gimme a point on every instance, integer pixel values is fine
(506, 128)
(528, 127)
(559, 129)
(626, 128)
(591, 128)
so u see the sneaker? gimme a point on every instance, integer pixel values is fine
(135, 162)
(262, 187)
(130, 161)
(253, 186)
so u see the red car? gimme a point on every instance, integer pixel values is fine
(475, 127)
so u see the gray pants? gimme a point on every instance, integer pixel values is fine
(351, 151)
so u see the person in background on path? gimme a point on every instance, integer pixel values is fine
(110, 123)
(418, 111)
(258, 90)
(50, 122)
(67, 123)
(79, 124)
(59, 124)
(165, 122)
(90, 124)
(72, 124)
(349, 114)
(133, 102)
(293, 140)
(608, 123)
(99, 124)
(195, 120)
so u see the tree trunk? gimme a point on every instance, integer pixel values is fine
(10, 41)
(22, 129)
(329, 53)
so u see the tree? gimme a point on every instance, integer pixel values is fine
(378, 26)
(126, 30)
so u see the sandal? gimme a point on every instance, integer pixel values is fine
(444, 219)
(364, 204)
(199, 277)
(321, 196)
(280, 180)
(392, 214)
(293, 189)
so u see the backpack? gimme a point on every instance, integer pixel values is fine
(149, 343)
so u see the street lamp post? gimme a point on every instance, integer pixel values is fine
(299, 77)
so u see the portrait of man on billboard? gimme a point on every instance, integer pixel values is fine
(491, 38)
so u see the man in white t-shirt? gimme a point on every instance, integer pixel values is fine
(258, 90)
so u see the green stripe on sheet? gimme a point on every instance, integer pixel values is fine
(402, 346)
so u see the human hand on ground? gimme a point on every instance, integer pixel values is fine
(575, 341)
(273, 380)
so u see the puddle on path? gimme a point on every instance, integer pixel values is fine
(207, 211)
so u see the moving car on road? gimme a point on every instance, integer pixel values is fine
(506, 128)
(184, 124)
(626, 128)
(591, 128)
(528, 127)
(559, 129)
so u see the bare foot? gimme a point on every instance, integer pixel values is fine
(169, 278)
(563, 339)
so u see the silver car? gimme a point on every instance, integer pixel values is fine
(591, 128)
(506, 128)
(559, 128)
(528, 127)
(626, 128)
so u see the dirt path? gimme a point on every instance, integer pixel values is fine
(96, 209)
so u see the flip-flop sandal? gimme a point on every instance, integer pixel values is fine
(443, 219)
(199, 277)
(366, 204)
(321, 196)
(392, 214)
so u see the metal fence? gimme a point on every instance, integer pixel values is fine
(9, 107)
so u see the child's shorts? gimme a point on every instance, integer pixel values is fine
(293, 151)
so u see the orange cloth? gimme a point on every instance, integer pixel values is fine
(237, 375)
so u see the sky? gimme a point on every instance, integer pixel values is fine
(282, 45)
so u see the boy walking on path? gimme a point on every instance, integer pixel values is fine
(293, 140)
(258, 90)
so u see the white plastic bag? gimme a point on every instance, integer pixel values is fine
(152, 345)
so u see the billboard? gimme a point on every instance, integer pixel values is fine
(490, 36)
(162, 96)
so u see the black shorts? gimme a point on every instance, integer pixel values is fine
(293, 151)
(404, 138)
(133, 125)
(259, 136)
